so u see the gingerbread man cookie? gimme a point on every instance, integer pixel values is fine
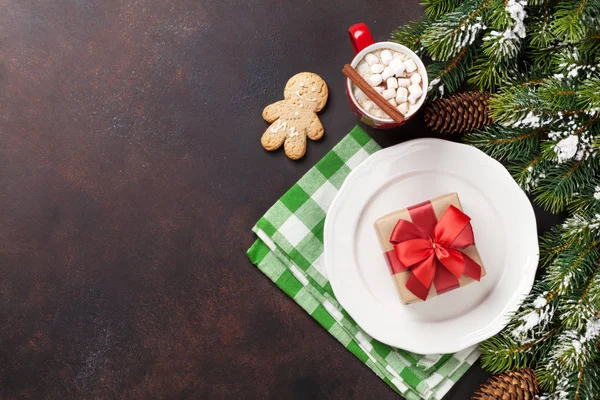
(295, 118)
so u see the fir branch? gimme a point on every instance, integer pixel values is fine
(561, 183)
(502, 352)
(446, 78)
(436, 8)
(527, 173)
(446, 37)
(551, 246)
(571, 268)
(588, 95)
(507, 143)
(557, 187)
(574, 19)
(540, 33)
(410, 34)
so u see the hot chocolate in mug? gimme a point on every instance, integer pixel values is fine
(363, 44)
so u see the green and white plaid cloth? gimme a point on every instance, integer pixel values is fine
(289, 251)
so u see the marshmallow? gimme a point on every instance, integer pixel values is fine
(412, 99)
(386, 57)
(387, 73)
(379, 114)
(397, 67)
(392, 102)
(362, 67)
(389, 94)
(401, 95)
(392, 83)
(403, 108)
(415, 78)
(359, 95)
(410, 65)
(375, 80)
(415, 90)
(379, 89)
(371, 59)
(397, 55)
(377, 68)
(403, 82)
(368, 105)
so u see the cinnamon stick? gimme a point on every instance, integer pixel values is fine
(378, 99)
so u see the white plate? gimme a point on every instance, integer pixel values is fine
(505, 233)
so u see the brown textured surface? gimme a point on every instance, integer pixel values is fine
(131, 172)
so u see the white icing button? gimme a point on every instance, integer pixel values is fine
(410, 65)
(313, 89)
(371, 59)
(296, 113)
(301, 105)
(387, 73)
(301, 84)
(401, 95)
(403, 108)
(386, 56)
(389, 94)
(397, 67)
(377, 68)
(415, 90)
(415, 78)
(375, 80)
(392, 83)
(403, 82)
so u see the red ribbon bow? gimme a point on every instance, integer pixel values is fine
(429, 248)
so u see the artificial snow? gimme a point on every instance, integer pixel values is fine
(592, 329)
(540, 302)
(516, 10)
(529, 120)
(597, 193)
(566, 149)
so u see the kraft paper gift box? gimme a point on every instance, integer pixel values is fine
(427, 215)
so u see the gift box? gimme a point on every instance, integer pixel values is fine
(430, 248)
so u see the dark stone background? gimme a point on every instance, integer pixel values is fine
(131, 173)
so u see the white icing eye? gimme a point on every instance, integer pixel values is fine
(301, 84)
(313, 89)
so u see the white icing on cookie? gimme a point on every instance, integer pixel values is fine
(276, 128)
(305, 98)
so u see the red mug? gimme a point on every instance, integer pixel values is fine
(363, 43)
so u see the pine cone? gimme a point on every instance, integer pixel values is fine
(458, 113)
(511, 385)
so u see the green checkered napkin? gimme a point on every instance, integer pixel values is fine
(289, 251)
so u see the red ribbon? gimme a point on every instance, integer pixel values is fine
(430, 249)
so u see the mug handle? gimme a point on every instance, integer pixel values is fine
(360, 37)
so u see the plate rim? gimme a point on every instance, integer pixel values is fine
(522, 290)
